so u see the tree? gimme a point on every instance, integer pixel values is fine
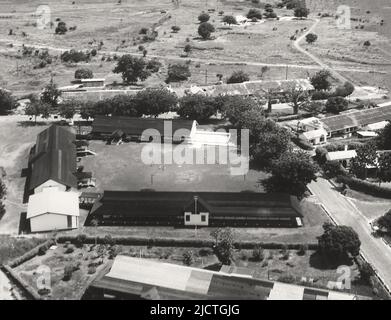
(251, 119)
(178, 72)
(203, 17)
(83, 73)
(229, 20)
(153, 102)
(301, 12)
(68, 108)
(383, 140)
(238, 77)
(336, 105)
(384, 167)
(205, 30)
(7, 102)
(50, 94)
(366, 157)
(311, 38)
(313, 107)
(345, 90)
(298, 97)
(132, 69)
(385, 221)
(153, 65)
(258, 253)
(36, 108)
(338, 241)
(187, 49)
(175, 29)
(320, 80)
(366, 271)
(61, 28)
(291, 173)
(270, 144)
(197, 107)
(188, 258)
(254, 14)
(233, 107)
(224, 240)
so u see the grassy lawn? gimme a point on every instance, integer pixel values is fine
(372, 210)
(121, 168)
(11, 248)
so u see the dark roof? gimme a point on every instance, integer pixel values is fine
(152, 204)
(136, 126)
(357, 118)
(54, 157)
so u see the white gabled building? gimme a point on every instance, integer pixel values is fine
(53, 209)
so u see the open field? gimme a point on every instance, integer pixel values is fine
(231, 48)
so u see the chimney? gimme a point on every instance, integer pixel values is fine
(346, 147)
(195, 204)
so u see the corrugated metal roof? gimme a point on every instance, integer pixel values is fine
(357, 118)
(136, 126)
(54, 157)
(152, 204)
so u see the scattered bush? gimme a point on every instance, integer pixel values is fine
(205, 30)
(188, 258)
(254, 14)
(302, 250)
(75, 56)
(238, 77)
(83, 73)
(69, 249)
(178, 72)
(258, 254)
(203, 17)
(311, 38)
(336, 105)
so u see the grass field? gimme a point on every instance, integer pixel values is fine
(118, 26)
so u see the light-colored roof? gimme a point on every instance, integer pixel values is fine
(341, 155)
(51, 200)
(312, 134)
(92, 80)
(284, 291)
(377, 125)
(367, 133)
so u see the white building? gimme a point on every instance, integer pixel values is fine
(343, 157)
(53, 209)
(315, 137)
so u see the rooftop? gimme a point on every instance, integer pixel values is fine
(51, 200)
(53, 157)
(154, 203)
(143, 278)
(357, 118)
(137, 126)
(341, 155)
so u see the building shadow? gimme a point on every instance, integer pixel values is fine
(24, 224)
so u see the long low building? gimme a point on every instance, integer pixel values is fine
(187, 209)
(347, 123)
(143, 128)
(135, 278)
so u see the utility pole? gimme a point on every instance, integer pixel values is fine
(286, 73)
(206, 76)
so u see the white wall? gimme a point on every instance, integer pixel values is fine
(48, 184)
(50, 221)
(195, 219)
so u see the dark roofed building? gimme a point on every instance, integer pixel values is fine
(135, 128)
(194, 209)
(350, 122)
(53, 160)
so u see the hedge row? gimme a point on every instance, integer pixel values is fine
(31, 254)
(175, 242)
(364, 186)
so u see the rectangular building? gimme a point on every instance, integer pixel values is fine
(190, 209)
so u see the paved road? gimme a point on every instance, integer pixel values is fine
(344, 212)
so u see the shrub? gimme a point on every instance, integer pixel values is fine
(288, 278)
(91, 270)
(203, 17)
(311, 38)
(304, 144)
(336, 105)
(69, 249)
(302, 250)
(258, 254)
(229, 20)
(68, 271)
(205, 30)
(254, 14)
(366, 271)
(80, 240)
(61, 28)
(83, 73)
(143, 31)
(43, 291)
(175, 29)
(345, 90)
(75, 56)
(188, 258)
(178, 72)
(42, 250)
(238, 77)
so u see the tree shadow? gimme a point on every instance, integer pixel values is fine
(321, 262)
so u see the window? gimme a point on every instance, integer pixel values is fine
(187, 218)
(203, 218)
(69, 221)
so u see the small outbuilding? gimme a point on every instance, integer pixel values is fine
(53, 209)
